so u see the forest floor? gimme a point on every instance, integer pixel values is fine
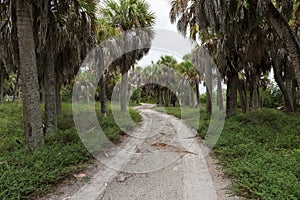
(160, 159)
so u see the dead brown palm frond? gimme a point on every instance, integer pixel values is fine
(172, 148)
(297, 11)
(8, 36)
(178, 8)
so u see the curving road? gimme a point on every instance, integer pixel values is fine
(161, 159)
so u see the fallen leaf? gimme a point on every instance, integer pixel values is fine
(79, 176)
(192, 137)
(123, 177)
(105, 154)
(159, 144)
(172, 148)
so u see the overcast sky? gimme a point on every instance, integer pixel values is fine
(161, 11)
(168, 40)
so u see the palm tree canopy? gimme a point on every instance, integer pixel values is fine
(128, 14)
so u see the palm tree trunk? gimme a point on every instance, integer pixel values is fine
(103, 96)
(231, 94)
(58, 96)
(159, 96)
(244, 89)
(163, 96)
(34, 138)
(16, 89)
(208, 100)
(42, 90)
(138, 92)
(128, 95)
(291, 90)
(1, 83)
(208, 83)
(242, 98)
(291, 95)
(257, 97)
(173, 99)
(50, 94)
(290, 102)
(284, 30)
(219, 93)
(124, 84)
(253, 93)
(186, 97)
(198, 93)
(166, 96)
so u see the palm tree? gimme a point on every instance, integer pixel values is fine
(8, 40)
(60, 28)
(105, 31)
(168, 64)
(28, 70)
(200, 18)
(188, 70)
(137, 78)
(3, 75)
(284, 30)
(284, 80)
(72, 24)
(233, 24)
(128, 15)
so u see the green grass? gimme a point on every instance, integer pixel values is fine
(260, 151)
(134, 103)
(25, 175)
(189, 115)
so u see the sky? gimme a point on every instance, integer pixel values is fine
(167, 40)
(161, 11)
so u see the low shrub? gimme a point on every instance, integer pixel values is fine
(23, 174)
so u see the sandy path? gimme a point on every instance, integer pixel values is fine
(162, 161)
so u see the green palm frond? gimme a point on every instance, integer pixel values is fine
(128, 14)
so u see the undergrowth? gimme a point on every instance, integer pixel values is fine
(260, 151)
(25, 175)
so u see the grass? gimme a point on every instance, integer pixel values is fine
(260, 151)
(134, 103)
(25, 175)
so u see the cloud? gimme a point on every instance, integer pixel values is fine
(161, 11)
(165, 43)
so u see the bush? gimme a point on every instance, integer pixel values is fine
(66, 93)
(272, 97)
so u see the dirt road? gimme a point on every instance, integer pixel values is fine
(159, 160)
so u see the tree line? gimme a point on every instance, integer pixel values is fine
(247, 39)
(44, 42)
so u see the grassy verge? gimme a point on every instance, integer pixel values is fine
(24, 175)
(133, 103)
(260, 151)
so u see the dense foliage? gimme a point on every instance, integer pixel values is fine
(257, 152)
(247, 39)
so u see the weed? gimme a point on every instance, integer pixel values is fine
(23, 174)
